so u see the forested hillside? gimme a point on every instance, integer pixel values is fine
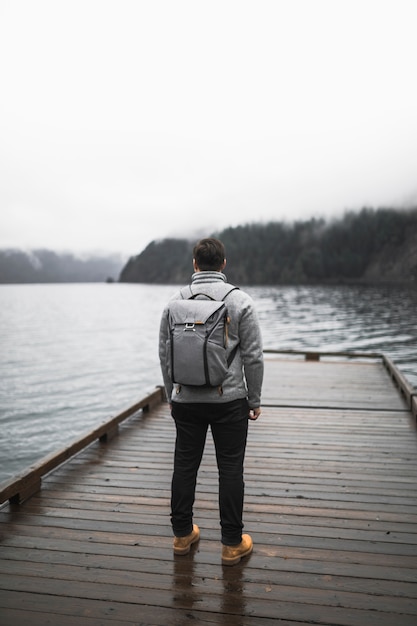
(45, 266)
(372, 245)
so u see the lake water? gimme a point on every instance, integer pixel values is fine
(74, 355)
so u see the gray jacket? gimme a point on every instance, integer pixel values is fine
(245, 375)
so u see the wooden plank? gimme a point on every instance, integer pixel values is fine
(327, 526)
(50, 549)
(335, 384)
(36, 610)
(87, 581)
(288, 512)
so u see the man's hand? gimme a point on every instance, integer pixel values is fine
(254, 413)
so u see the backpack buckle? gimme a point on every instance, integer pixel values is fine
(189, 326)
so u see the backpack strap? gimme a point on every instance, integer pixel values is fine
(187, 293)
(232, 355)
(229, 289)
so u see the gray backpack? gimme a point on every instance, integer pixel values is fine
(198, 333)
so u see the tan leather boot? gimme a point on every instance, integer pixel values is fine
(232, 554)
(182, 545)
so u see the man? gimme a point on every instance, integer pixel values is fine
(226, 410)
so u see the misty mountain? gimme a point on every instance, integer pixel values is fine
(370, 246)
(46, 266)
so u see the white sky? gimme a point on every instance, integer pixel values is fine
(124, 121)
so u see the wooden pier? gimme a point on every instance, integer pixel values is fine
(331, 504)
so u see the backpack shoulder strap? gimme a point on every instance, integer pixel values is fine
(229, 289)
(187, 293)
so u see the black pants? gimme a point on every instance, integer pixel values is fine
(229, 426)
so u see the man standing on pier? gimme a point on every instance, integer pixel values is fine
(226, 408)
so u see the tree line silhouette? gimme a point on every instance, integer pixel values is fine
(311, 251)
(46, 266)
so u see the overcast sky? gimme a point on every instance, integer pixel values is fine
(124, 121)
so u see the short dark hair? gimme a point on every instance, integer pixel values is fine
(209, 254)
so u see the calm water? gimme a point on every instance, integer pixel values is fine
(74, 355)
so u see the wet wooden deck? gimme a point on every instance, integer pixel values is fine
(331, 503)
